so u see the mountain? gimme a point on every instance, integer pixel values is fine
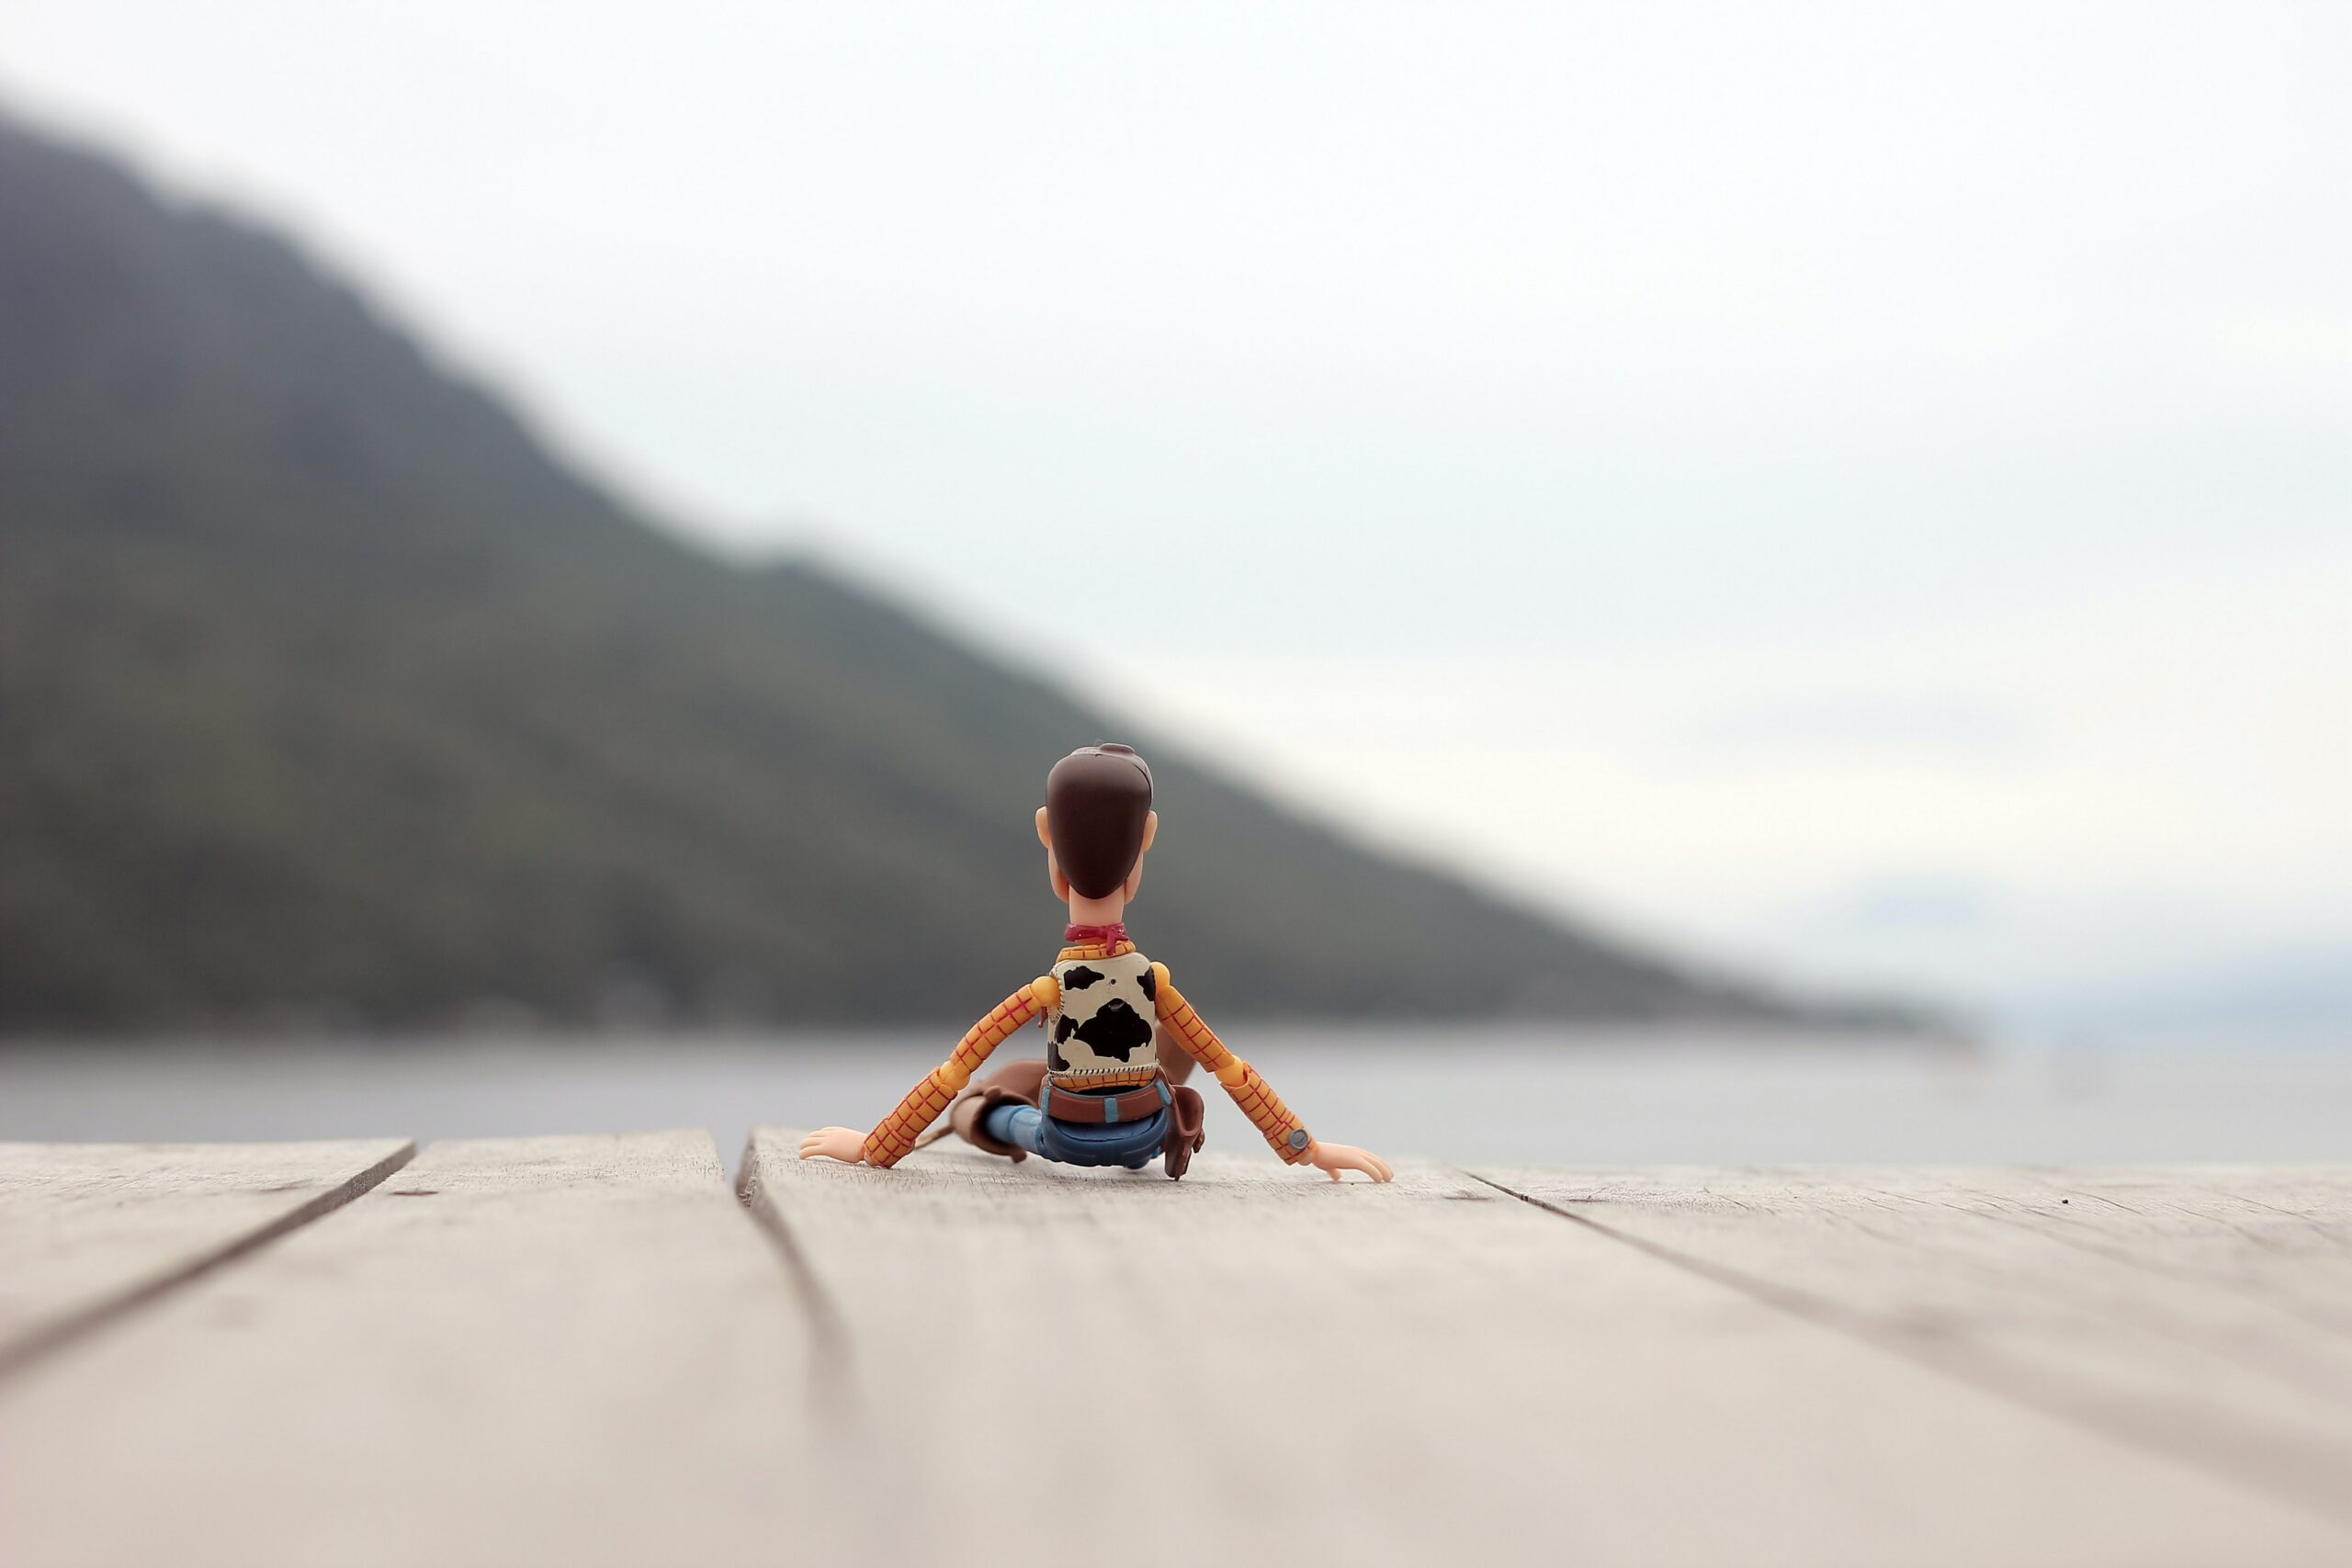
(327, 694)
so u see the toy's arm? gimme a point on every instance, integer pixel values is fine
(897, 1132)
(1256, 1097)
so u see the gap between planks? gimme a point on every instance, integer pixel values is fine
(108, 1304)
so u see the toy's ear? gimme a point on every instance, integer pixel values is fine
(1150, 827)
(1134, 873)
(1053, 877)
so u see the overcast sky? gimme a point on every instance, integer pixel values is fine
(1864, 491)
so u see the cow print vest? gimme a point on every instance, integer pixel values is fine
(1100, 1032)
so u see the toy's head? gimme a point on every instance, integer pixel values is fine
(1097, 822)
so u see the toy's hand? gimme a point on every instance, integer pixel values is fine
(834, 1143)
(1337, 1158)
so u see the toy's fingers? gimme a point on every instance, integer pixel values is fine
(822, 1142)
(1334, 1159)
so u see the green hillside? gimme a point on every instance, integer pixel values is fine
(326, 693)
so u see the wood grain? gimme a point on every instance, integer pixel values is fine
(88, 1231)
(1045, 1364)
(545, 1350)
(2205, 1315)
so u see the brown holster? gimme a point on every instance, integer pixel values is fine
(1019, 1083)
(1184, 1109)
(1184, 1135)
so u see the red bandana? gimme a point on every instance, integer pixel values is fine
(1111, 935)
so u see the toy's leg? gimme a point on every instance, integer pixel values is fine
(1021, 1128)
(1015, 1083)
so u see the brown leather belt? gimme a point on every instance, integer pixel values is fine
(1098, 1109)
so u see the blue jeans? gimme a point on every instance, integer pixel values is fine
(1131, 1144)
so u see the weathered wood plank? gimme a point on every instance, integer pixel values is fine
(2198, 1314)
(557, 1350)
(89, 1230)
(1051, 1364)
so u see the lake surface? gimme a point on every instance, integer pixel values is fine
(1482, 1092)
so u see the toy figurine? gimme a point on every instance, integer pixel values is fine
(1120, 1039)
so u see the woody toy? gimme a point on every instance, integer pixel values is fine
(1120, 1039)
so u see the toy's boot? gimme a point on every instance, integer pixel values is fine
(1017, 1083)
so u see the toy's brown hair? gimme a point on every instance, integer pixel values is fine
(1097, 800)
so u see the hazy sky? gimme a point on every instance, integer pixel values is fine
(1865, 491)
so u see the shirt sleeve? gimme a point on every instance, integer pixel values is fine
(1285, 1131)
(896, 1133)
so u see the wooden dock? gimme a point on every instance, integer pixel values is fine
(589, 1351)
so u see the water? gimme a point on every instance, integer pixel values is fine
(1481, 1092)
